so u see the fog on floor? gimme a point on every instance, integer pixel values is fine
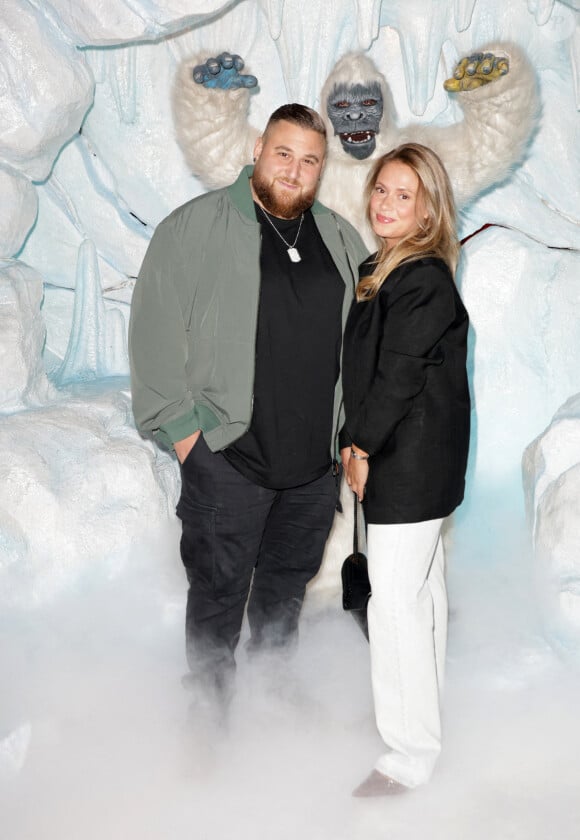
(97, 741)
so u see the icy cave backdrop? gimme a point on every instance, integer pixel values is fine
(89, 166)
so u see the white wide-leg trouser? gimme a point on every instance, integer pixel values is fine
(407, 616)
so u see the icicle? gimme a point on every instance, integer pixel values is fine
(541, 9)
(82, 359)
(307, 48)
(97, 61)
(421, 52)
(123, 81)
(274, 11)
(368, 21)
(463, 12)
(423, 27)
(97, 346)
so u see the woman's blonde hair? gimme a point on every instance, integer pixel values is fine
(434, 236)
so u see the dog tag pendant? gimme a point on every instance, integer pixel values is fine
(294, 255)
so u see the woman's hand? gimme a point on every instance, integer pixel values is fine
(345, 458)
(357, 472)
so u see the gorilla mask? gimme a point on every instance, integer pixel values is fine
(355, 112)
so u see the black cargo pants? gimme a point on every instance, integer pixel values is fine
(237, 535)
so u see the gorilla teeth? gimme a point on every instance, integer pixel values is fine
(357, 136)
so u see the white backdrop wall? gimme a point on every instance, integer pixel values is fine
(89, 165)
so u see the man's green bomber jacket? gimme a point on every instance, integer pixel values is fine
(192, 332)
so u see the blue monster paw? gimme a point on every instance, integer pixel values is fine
(223, 73)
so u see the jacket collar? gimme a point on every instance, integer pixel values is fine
(241, 195)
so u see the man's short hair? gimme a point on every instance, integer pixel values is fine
(299, 115)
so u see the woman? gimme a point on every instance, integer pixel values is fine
(407, 428)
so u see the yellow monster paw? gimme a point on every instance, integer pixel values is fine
(477, 70)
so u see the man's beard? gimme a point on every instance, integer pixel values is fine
(285, 205)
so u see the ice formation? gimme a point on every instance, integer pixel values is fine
(88, 167)
(551, 471)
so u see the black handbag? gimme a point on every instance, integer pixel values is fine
(356, 587)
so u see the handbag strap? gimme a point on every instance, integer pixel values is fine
(355, 527)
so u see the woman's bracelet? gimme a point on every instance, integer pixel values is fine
(357, 456)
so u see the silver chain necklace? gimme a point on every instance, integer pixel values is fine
(293, 252)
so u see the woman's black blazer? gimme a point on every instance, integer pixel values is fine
(406, 394)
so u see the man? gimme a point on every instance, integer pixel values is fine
(235, 341)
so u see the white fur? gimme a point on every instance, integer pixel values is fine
(499, 118)
(211, 127)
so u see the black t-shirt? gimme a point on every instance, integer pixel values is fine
(298, 347)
